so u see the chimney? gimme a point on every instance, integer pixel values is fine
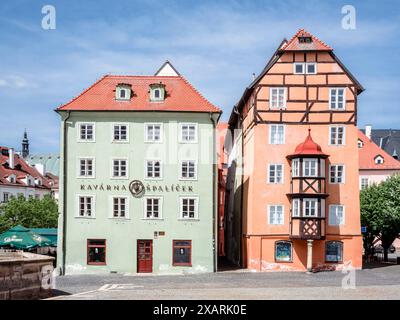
(368, 131)
(11, 158)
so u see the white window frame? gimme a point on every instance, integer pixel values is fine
(336, 91)
(270, 133)
(127, 93)
(312, 200)
(274, 221)
(6, 197)
(332, 221)
(379, 157)
(146, 176)
(271, 106)
(298, 64)
(119, 124)
(148, 124)
(111, 210)
(336, 173)
(93, 176)
(126, 176)
(181, 140)
(361, 183)
(153, 89)
(275, 173)
(196, 207)
(181, 177)
(296, 167)
(160, 204)
(296, 210)
(337, 135)
(311, 160)
(93, 213)
(80, 124)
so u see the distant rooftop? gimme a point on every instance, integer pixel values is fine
(50, 161)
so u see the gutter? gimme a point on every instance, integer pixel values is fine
(64, 213)
(215, 190)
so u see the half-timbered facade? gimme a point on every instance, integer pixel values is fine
(292, 193)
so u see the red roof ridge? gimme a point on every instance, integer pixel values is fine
(199, 93)
(309, 34)
(139, 76)
(82, 93)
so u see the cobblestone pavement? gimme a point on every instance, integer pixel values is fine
(381, 282)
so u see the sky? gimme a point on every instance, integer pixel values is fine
(216, 45)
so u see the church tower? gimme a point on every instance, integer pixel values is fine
(25, 145)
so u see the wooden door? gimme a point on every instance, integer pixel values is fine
(145, 256)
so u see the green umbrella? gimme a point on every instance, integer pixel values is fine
(20, 237)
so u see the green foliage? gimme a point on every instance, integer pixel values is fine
(30, 213)
(380, 213)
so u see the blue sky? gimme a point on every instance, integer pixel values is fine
(216, 45)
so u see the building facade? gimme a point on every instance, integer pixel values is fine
(292, 186)
(17, 177)
(138, 184)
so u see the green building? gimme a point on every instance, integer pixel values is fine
(138, 177)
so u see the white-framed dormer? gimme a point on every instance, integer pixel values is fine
(38, 182)
(123, 92)
(379, 159)
(86, 132)
(28, 180)
(12, 178)
(157, 92)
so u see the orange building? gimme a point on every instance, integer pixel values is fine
(292, 187)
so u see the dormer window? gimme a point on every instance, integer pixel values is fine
(38, 181)
(123, 92)
(360, 143)
(304, 39)
(379, 160)
(157, 92)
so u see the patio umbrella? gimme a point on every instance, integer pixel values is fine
(20, 237)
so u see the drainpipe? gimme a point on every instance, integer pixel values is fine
(64, 213)
(215, 189)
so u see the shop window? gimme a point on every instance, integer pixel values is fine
(334, 251)
(283, 251)
(182, 253)
(96, 252)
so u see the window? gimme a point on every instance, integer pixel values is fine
(275, 214)
(360, 144)
(277, 98)
(119, 209)
(6, 197)
(310, 207)
(275, 173)
(334, 251)
(310, 167)
(123, 92)
(337, 98)
(277, 134)
(188, 132)
(153, 169)
(120, 132)
(96, 252)
(153, 132)
(305, 68)
(153, 208)
(336, 215)
(189, 208)
(157, 92)
(119, 168)
(283, 251)
(86, 132)
(188, 169)
(296, 208)
(337, 135)
(379, 160)
(182, 253)
(86, 206)
(336, 173)
(86, 167)
(364, 183)
(295, 167)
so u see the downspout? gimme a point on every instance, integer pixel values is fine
(241, 258)
(64, 241)
(215, 190)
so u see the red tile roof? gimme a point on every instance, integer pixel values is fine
(369, 151)
(180, 96)
(21, 170)
(295, 45)
(308, 148)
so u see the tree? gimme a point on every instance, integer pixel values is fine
(380, 213)
(30, 213)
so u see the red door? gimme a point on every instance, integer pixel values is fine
(145, 256)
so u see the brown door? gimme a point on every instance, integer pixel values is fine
(145, 256)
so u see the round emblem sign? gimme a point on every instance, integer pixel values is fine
(137, 189)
